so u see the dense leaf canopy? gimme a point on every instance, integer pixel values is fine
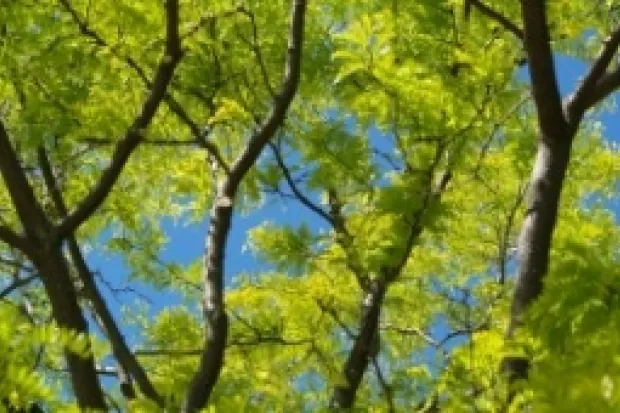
(421, 137)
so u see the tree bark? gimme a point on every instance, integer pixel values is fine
(216, 319)
(68, 314)
(365, 347)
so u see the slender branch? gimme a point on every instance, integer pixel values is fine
(416, 332)
(607, 84)
(120, 348)
(495, 15)
(293, 186)
(173, 105)
(385, 386)
(334, 315)
(254, 45)
(577, 104)
(152, 142)
(216, 319)
(16, 284)
(135, 134)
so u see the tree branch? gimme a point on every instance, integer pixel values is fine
(120, 349)
(11, 238)
(17, 283)
(293, 187)
(588, 91)
(608, 84)
(495, 15)
(216, 319)
(135, 133)
(545, 90)
(29, 210)
(173, 105)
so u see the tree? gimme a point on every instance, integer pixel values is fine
(402, 128)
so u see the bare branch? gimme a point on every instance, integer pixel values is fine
(495, 15)
(29, 210)
(293, 186)
(16, 284)
(216, 319)
(91, 140)
(586, 93)
(135, 133)
(385, 386)
(173, 105)
(11, 238)
(607, 84)
(120, 348)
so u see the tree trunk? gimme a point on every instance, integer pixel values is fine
(536, 234)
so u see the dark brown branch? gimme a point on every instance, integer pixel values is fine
(334, 315)
(609, 83)
(305, 201)
(16, 284)
(150, 142)
(537, 42)
(365, 347)
(495, 15)
(135, 134)
(173, 105)
(30, 213)
(216, 319)
(385, 386)
(585, 95)
(11, 238)
(120, 349)
(56, 278)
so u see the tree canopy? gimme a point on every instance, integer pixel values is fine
(462, 251)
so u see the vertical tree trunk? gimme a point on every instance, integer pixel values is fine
(536, 234)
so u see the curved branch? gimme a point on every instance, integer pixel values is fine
(216, 319)
(589, 91)
(174, 106)
(291, 184)
(495, 15)
(16, 284)
(120, 349)
(135, 133)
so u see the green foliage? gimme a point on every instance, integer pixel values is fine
(409, 132)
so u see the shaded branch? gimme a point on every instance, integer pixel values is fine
(305, 201)
(216, 319)
(120, 349)
(537, 41)
(495, 15)
(586, 94)
(11, 238)
(607, 84)
(16, 284)
(173, 105)
(135, 134)
(385, 386)
(30, 212)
